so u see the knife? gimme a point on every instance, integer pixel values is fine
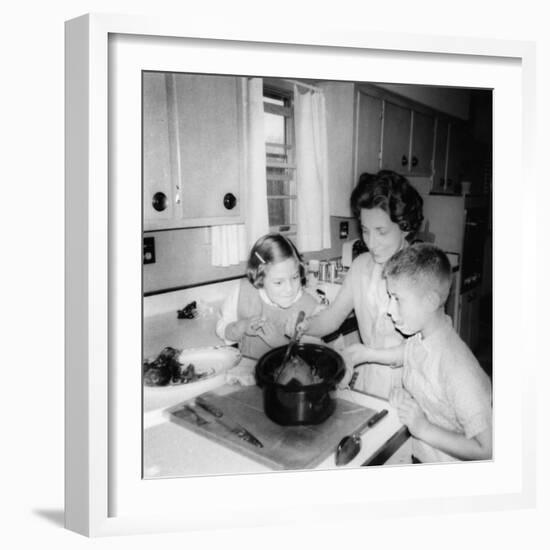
(232, 426)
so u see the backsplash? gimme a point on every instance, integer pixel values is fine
(182, 257)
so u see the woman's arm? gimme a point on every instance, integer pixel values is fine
(331, 318)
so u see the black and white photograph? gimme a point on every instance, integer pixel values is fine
(317, 274)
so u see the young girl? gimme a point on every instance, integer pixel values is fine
(255, 314)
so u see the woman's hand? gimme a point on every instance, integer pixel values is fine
(290, 325)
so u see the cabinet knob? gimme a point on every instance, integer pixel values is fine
(414, 161)
(160, 201)
(229, 201)
(404, 160)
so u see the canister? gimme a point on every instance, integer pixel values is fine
(323, 271)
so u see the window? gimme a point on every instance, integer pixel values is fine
(280, 160)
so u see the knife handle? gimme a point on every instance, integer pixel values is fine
(377, 417)
(209, 407)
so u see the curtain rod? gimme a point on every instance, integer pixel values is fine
(302, 85)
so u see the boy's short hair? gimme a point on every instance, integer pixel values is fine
(424, 264)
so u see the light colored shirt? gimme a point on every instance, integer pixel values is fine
(370, 302)
(246, 301)
(449, 385)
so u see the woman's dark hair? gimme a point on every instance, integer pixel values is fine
(392, 193)
(270, 249)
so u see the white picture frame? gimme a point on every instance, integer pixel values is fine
(102, 428)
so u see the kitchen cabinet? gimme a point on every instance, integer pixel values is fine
(368, 133)
(193, 150)
(469, 317)
(422, 142)
(396, 135)
(339, 100)
(452, 156)
(408, 139)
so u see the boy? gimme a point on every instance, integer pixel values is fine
(445, 400)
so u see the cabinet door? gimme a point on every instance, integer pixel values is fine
(396, 137)
(158, 203)
(209, 148)
(339, 97)
(440, 155)
(368, 134)
(457, 160)
(422, 144)
(193, 151)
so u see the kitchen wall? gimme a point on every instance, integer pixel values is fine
(183, 257)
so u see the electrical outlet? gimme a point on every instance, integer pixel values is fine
(148, 250)
(344, 230)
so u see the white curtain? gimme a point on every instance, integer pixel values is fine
(231, 243)
(313, 214)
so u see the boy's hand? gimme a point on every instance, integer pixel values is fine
(411, 415)
(356, 354)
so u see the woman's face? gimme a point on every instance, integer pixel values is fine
(282, 282)
(382, 236)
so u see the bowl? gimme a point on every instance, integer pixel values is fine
(293, 405)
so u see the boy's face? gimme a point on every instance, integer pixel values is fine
(409, 306)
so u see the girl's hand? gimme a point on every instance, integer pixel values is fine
(412, 416)
(253, 326)
(271, 335)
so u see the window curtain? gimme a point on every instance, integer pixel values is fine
(231, 243)
(313, 215)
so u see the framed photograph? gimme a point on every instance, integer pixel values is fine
(161, 145)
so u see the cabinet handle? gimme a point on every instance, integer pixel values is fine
(414, 161)
(404, 160)
(229, 201)
(160, 201)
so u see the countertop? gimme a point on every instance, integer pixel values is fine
(171, 450)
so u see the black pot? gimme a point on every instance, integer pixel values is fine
(294, 405)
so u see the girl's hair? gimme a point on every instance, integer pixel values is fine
(270, 249)
(393, 194)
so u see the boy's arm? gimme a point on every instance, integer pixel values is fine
(479, 447)
(359, 354)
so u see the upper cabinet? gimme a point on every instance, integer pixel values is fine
(422, 144)
(452, 156)
(193, 153)
(368, 134)
(396, 137)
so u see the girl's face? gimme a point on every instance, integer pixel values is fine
(282, 282)
(382, 236)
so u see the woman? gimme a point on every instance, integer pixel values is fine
(390, 212)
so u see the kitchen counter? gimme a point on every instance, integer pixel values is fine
(172, 450)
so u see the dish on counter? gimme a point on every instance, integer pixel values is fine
(212, 362)
(174, 368)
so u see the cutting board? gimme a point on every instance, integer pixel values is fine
(285, 447)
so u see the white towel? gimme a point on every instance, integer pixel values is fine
(228, 244)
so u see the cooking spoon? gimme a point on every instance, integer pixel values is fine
(291, 344)
(350, 445)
